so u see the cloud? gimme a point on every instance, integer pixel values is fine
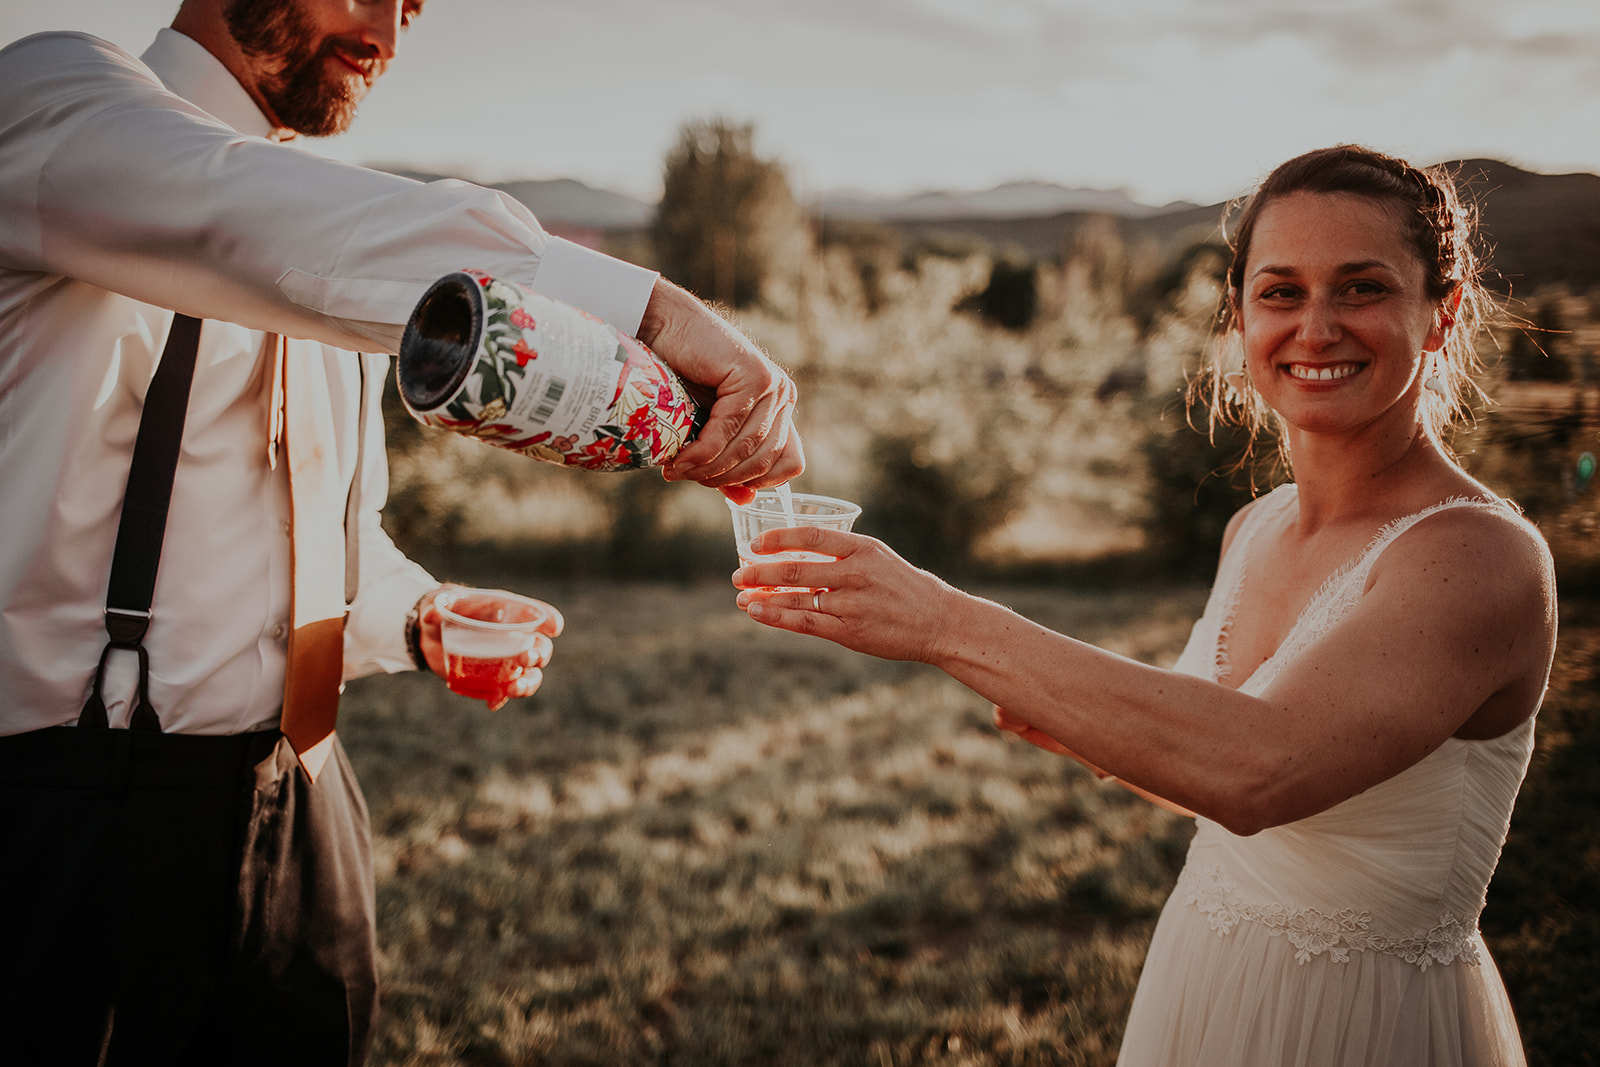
(1384, 33)
(1177, 98)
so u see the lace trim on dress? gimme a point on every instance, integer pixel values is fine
(1221, 660)
(1313, 933)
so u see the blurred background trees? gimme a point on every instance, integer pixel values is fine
(727, 225)
(1008, 399)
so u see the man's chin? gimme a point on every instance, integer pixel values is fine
(330, 125)
(328, 114)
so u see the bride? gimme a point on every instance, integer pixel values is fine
(1353, 714)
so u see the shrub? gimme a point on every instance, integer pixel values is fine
(727, 224)
(934, 511)
(1196, 485)
(1011, 299)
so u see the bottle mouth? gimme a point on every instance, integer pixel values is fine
(440, 341)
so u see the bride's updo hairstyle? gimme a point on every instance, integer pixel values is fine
(1441, 232)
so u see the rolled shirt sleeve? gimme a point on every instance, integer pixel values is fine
(110, 178)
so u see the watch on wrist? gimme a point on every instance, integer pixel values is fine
(414, 636)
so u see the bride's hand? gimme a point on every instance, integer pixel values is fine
(866, 598)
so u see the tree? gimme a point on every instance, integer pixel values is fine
(728, 223)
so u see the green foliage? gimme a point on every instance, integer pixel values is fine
(422, 465)
(1535, 353)
(1147, 299)
(1197, 483)
(1040, 434)
(1543, 416)
(934, 511)
(1011, 299)
(1541, 922)
(875, 250)
(727, 224)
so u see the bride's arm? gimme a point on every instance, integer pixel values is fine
(1454, 632)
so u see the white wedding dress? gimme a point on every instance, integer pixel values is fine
(1350, 937)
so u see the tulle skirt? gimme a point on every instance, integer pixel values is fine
(1243, 999)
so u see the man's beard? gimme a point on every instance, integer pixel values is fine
(302, 95)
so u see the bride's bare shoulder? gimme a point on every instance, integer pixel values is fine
(1484, 543)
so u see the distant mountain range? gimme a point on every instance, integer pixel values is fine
(1009, 201)
(1541, 227)
(1537, 228)
(563, 201)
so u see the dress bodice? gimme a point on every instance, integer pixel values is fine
(1402, 867)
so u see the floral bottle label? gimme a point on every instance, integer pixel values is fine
(526, 373)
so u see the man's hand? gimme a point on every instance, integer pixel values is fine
(749, 441)
(532, 661)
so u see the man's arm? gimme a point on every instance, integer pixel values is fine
(110, 179)
(115, 181)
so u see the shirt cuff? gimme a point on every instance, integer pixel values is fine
(602, 285)
(375, 633)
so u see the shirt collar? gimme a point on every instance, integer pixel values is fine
(186, 68)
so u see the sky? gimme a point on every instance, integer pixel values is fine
(1168, 99)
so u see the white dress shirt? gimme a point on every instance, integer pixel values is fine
(130, 188)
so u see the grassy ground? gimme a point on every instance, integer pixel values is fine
(708, 843)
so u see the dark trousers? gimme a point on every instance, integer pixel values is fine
(180, 900)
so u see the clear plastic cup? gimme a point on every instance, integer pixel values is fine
(766, 512)
(485, 633)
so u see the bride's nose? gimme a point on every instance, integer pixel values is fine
(1319, 324)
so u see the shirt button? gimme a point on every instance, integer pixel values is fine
(279, 631)
(284, 525)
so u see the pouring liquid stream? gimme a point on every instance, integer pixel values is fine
(786, 498)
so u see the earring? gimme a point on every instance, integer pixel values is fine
(1435, 384)
(1235, 382)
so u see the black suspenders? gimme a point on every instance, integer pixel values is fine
(144, 520)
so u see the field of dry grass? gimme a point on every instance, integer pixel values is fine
(704, 842)
(708, 843)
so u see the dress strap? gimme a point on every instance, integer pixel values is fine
(1392, 530)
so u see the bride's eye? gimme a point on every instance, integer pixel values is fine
(1365, 289)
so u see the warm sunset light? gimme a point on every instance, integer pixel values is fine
(1171, 99)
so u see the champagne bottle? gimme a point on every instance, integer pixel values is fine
(485, 358)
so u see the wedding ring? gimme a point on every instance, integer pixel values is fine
(816, 600)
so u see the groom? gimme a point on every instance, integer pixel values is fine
(182, 893)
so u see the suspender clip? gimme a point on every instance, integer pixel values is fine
(126, 626)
